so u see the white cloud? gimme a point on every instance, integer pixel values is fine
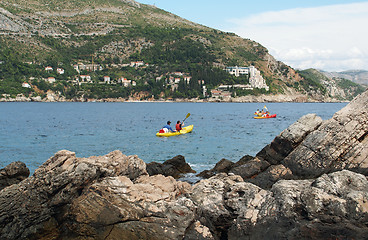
(333, 38)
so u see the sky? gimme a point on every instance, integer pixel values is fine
(330, 35)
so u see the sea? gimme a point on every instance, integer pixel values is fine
(32, 132)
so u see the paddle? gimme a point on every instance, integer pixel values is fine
(186, 117)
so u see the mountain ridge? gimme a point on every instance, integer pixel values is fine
(355, 75)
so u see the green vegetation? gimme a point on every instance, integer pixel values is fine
(312, 81)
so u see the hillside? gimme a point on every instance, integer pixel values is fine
(124, 49)
(357, 76)
(336, 87)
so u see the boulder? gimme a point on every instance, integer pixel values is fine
(13, 173)
(289, 139)
(151, 207)
(225, 166)
(332, 206)
(209, 196)
(39, 206)
(269, 176)
(338, 143)
(250, 169)
(175, 167)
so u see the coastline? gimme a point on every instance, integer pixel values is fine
(279, 98)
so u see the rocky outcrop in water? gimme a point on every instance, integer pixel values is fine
(175, 167)
(309, 183)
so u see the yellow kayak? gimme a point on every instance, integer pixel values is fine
(185, 130)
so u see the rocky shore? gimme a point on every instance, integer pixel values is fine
(52, 97)
(310, 182)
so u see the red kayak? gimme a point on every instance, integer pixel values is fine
(269, 116)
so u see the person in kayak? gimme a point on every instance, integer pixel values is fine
(168, 127)
(179, 125)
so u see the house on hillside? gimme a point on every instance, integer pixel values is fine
(85, 78)
(137, 64)
(60, 71)
(177, 73)
(201, 82)
(125, 82)
(51, 79)
(48, 68)
(187, 79)
(107, 79)
(26, 85)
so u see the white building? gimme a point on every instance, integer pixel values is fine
(85, 78)
(237, 71)
(60, 70)
(26, 85)
(137, 64)
(107, 79)
(255, 78)
(51, 79)
(187, 79)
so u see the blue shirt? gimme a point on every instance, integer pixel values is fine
(168, 127)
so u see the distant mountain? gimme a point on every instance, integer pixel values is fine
(110, 34)
(333, 86)
(357, 76)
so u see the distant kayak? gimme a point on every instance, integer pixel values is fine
(185, 130)
(270, 116)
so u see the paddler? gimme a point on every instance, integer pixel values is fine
(167, 127)
(179, 125)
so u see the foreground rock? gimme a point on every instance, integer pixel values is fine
(97, 198)
(334, 205)
(13, 173)
(339, 143)
(112, 197)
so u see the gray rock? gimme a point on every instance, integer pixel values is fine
(34, 208)
(175, 167)
(339, 143)
(251, 168)
(330, 206)
(223, 165)
(13, 173)
(272, 174)
(226, 166)
(289, 139)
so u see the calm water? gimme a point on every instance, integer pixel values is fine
(33, 132)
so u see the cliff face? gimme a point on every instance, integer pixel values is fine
(309, 183)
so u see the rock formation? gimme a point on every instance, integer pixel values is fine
(309, 183)
(332, 206)
(175, 167)
(13, 173)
